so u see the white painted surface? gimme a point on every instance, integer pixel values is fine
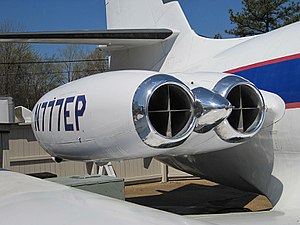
(57, 204)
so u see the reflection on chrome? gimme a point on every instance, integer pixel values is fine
(214, 109)
(248, 109)
(163, 111)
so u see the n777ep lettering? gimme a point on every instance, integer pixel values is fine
(60, 114)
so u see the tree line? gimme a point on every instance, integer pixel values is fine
(261, 16)
(26, 75)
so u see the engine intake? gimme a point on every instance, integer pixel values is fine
(248, 109)
(163, 111)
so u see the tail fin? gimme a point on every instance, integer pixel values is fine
(141, 14)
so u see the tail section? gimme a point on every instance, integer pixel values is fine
(146, 14)
(141, 14)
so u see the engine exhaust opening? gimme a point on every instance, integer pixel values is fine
(248, 109)
(163, 111)
(169, 110)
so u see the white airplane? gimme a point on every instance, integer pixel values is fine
(224, 109)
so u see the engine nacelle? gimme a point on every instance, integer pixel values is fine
(131, 114)
(114, 116)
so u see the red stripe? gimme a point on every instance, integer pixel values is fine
(268, 62)
(292, 105)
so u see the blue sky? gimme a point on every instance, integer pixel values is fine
(207, 17)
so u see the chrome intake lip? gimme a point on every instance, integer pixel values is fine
(248, 110)
(163, 111)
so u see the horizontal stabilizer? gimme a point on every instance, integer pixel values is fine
(131, 37)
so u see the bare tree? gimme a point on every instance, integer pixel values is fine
(95, 62)
(22, 75)
(80, 62)
(9, 54)
(39, 78)
(25, 75)
(71, 54)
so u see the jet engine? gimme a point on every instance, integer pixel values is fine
(130, 114)
(114, 116)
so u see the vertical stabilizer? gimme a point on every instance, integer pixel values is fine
(139, 14)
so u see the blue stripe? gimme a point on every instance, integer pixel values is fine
(282, 78)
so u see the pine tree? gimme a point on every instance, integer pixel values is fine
(261, 16)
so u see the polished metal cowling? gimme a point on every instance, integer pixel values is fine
(163, 111)
(248, 109)
(166, 112)
(214, 109)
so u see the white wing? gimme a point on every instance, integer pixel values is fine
(27, 200)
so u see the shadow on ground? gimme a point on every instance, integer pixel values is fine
(196, 198)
